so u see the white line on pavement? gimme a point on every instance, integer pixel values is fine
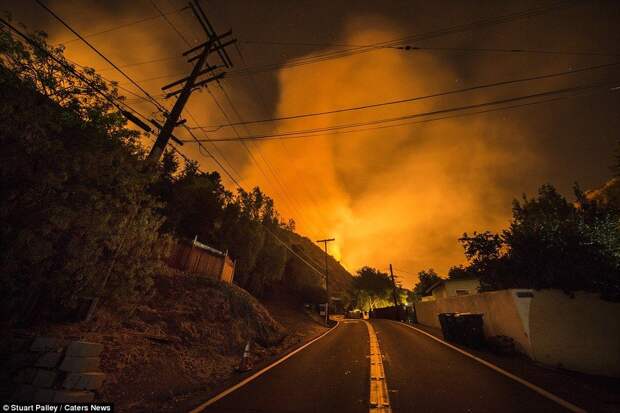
(526, 383)
(259, 373)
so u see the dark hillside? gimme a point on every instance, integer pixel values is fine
(300, 277)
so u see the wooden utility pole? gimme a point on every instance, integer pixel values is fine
(213, 44)
(325, 241)
(394, 293)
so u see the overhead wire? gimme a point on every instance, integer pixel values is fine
(399, 43)
(220, 107)
(440, 49)
(536, 11)
(239, 185)
(416, 98)
(282, 143)
(251, 155)
(310, 133)
(201, 148)
(121, 26)
(3, 21)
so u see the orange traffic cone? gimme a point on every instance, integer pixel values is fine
(246, 362)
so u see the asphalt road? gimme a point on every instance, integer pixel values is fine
(426, 376)
(332, 375)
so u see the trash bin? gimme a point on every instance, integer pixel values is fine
(470, 329)
(448, 326)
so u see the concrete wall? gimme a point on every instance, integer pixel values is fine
(581, 333)
(500, 309)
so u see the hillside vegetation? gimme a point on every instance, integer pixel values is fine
(182, 341)
(84, 215)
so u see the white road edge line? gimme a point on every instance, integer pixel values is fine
(259, 373)
(379, 399)
(526, 383)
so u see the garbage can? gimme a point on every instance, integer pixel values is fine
(448, 326)
(470, 328)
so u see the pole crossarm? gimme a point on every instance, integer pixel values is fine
(190, 83)
(209, 43)
(215, 49)
(178, 82)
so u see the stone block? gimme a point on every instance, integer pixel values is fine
(48, 360)
(84, 349)
(46, 344)
(84, 381)
(79, 364)
(63, 396)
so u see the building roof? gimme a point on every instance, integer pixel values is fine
(444, 280)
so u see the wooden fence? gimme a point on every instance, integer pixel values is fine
(198, 258)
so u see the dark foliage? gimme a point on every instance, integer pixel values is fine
(551, 243)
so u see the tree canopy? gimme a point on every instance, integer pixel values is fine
(551, 243)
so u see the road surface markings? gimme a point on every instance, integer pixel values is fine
(259, 373)
(531, 386)
(379, 398)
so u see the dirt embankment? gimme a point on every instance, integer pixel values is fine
(185, 340)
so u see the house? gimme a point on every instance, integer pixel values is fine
(451, 288)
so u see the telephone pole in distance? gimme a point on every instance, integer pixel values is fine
(325, 241)
(395, 294)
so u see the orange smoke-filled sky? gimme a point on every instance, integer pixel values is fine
(400, 195)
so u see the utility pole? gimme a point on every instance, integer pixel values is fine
(213, 44)
(395, 294)
(325, 241)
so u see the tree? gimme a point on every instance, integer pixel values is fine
(372, 288)
(551, 243)
(459, 272)
(75, 195)
(426, 279)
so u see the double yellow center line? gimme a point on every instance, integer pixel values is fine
(379, 398)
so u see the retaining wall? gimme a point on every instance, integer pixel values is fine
(48, 369)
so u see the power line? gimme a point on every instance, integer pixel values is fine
(169, 22)
(35, 44)
(200, 147)
(281, 187)
(115, 102)
(208, 28)
(412, 38)
(122, 26)
(282, 143)
(440, 49)
(64, 23)
(416, 98)
(394, 43)
(230, 102)
(317, 132)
